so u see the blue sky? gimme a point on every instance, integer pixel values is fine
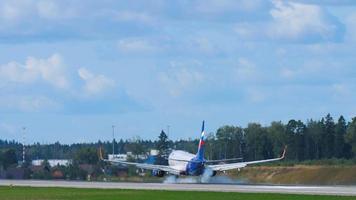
(69, 69)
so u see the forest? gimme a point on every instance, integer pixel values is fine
(325, 138)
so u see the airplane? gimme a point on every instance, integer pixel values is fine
(182, 163)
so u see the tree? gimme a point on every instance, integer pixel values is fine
(259, 145)
(296, 139)
(277, 132)
(315, 131)
(136, 146)
(351, 135)
(230, 141)
(9, 158)
(1, 160)
(340, 132)
(162, 147)
(209, 146)
(86, 155)
(329, 136)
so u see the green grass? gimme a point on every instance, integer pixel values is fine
(27, 193)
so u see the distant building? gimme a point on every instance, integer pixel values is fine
(154, 152)
(120, 157)
(123, 157)
(52, 162)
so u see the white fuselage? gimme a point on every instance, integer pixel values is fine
(178, 159)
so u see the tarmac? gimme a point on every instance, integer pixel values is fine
(311, 190)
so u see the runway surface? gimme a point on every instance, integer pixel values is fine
(314, 190)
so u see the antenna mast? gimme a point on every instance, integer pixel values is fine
(113, 140)
(23, 144)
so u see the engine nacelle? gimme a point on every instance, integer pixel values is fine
(158, 173)
(214, 173)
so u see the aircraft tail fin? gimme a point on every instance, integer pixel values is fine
(201, 148)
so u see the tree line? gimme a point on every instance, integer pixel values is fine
(310, 140)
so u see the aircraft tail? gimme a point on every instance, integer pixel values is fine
(201, 148)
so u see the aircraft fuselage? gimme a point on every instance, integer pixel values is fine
(186, 162)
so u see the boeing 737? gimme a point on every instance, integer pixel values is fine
(187, 164)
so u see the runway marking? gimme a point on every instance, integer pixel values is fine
(311, 190)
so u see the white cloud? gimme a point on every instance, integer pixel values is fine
(221, 6)
(295, 21)
(180, 79)
(95, 84)
(328, 2)
(351, 28)
(204, 45)
(255, 96)
(50, 70)
(27, 103)
(248, 30)
(314, 70)
(341, 89)
(136, 45)
(288, 73)
(17, 10)
(133, 16)
(50, 10)
(245, 70)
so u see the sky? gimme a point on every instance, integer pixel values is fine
(70, 69)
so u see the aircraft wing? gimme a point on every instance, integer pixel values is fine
(142, 165)
(230, 166)
(222, 160)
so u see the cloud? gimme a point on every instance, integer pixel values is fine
(296, 21)
(26, 103)
(180, 79)
(246, 70)
(351, 28)
(203, 44)
(50, 70)
(309, 68)
(14, 10)
(18, 10)
(254, 95)
(317, 71)
(95, 84)
(328, 2)
(134, 45)
(48, 9)
(223, 6)
(341, 89)
(248, 30)
(133, 16)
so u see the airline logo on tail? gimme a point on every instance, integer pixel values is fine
(200, 153)
(202, 142)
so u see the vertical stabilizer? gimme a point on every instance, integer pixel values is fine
(201, 148)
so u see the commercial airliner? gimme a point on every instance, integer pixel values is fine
(187, 164)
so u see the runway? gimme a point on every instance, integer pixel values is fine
(312, 190)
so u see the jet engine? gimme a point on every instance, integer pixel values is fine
(158, 173)
(213, 174)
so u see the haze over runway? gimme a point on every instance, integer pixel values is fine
(313, 190)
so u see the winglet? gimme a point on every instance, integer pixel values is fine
(284, 152)
(100, 154)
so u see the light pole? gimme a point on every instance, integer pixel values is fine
(168, 126)
(23, 145)
(113, 140)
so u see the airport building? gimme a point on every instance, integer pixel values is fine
(52, 162)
